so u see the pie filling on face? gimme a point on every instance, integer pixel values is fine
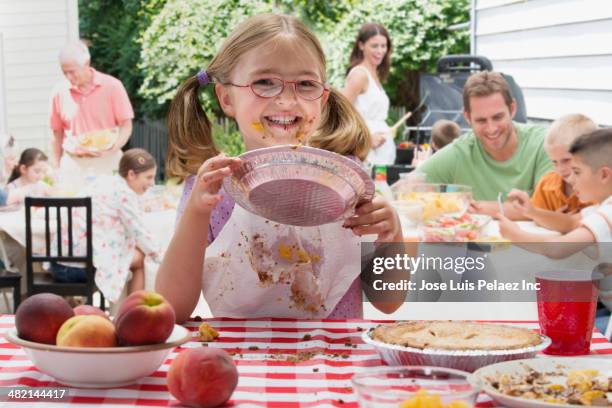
(454, 335)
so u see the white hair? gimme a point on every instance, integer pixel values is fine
(75, 51)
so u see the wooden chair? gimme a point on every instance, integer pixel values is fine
(39, 284)
(10, 278)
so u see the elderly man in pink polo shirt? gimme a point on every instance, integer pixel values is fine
(89, 101)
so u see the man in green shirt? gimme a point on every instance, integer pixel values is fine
(498, 154)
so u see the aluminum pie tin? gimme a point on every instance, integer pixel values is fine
(465, 360)
(299, 185)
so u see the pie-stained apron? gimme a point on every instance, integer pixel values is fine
(258, 268)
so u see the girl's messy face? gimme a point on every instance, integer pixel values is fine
(141, 182)
(34, 173)
(283, 119)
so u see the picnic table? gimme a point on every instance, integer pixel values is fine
(282, 363)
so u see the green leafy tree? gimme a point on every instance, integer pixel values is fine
(113, 29)
(183, 38)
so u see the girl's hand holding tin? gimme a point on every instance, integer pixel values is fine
(376, 217)
(205, 194)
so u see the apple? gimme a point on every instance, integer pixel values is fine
(202, 377)
(89, 310)
(40, 316)
(144, 318)
(87, 331)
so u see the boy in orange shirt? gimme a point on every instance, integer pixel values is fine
(554, 204)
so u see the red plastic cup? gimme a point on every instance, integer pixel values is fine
(567, 301)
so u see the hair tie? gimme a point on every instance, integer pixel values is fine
(141, 160)
(203, 78)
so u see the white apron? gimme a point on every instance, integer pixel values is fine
(258, 268)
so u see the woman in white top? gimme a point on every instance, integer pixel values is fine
(369, 66)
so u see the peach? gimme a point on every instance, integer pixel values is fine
(40, 316)
(87, 331)
(89, 310)
(144, 318)
(202, 377)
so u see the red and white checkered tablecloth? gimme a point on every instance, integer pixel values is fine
(260, 348)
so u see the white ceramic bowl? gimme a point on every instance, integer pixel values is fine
(103, 367)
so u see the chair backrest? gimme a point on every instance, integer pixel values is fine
(54, 229)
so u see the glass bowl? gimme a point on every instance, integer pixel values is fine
(438, 199)
(391, 386)
(410, 212)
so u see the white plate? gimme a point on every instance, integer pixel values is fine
(538, 364)
(103, 367)
(110, 134)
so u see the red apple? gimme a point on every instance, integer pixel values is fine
(89, 310)
(202, 377)
(40, 316)
(144, 318)
(87, 331)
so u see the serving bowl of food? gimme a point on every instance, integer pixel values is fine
(98, 140)
(412, 387)
(458, 228)
(438, 199)
(460, 345)
(83, 347)
(99, 367)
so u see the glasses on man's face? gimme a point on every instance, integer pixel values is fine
(270, 87)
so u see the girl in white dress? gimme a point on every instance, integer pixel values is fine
(368, 67)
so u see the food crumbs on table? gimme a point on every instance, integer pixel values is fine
(301, 357)
(315, 370)
(197, 319)
(306, 337)
(359, 329)
(340, 401)
(253, 348)
(207, 333)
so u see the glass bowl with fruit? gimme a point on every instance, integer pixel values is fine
(83, 347)
(415, 386)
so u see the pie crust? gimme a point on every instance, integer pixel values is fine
(455, 335)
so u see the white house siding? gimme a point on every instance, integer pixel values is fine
(33, 32)
(558, 51)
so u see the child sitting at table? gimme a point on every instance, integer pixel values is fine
(591, 180)
(269, 75)
(29, 172)
(443, 132)
(120, 237)
(554, 204)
